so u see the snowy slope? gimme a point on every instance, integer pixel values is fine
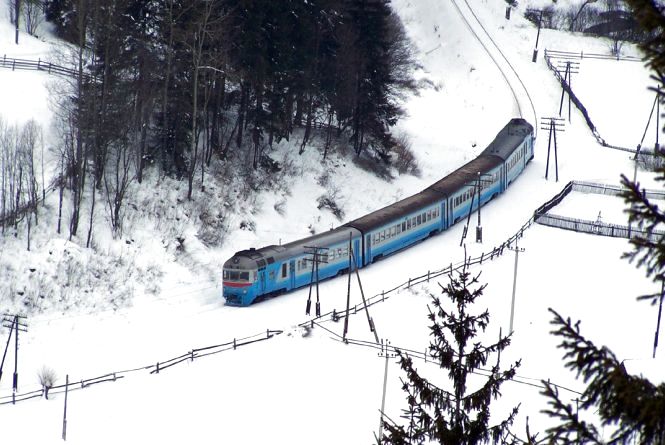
(313, 389)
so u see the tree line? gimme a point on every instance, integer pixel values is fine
(178, 83)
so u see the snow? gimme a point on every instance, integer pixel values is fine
(156, 301)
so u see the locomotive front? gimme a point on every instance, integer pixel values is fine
(240, 278)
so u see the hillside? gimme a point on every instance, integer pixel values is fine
(155, 293)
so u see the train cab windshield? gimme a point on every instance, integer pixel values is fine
(236, 275)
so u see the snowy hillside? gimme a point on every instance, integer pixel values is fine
(147, 298)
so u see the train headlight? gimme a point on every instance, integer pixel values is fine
(244, 291)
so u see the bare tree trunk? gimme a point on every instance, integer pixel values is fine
(244, 92)
(18, 199)
(60, 196)
(92, 215)
(79, 163)
(28, 216)
(17, 15)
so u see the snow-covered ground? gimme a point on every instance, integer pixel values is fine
(297, 388)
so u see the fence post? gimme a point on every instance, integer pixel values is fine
(428, 276)
(157, 368)
(192, 355)
(408, 286)
(234, 344)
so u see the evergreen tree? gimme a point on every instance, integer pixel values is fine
(631, 404)
(459, 415)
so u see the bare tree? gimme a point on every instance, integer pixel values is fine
(47, 378)
(118, 176)
(32, 15)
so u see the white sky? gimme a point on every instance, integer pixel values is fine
(295, 389)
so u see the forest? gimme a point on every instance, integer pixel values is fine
(177, 84)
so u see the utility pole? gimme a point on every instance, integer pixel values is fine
(540, 22)
(314, 278)
(553, 124)
(385, 348)
(17, 324)
(5, 320)
(570, 68)
(476, 192)
(512, 304)
(353, 266)
(64, 415)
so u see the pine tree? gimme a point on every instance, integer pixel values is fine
(455, 416)
(633, 405)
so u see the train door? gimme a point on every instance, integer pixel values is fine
(368, 242)
(442, 213)
(292, 272)
(262, 280)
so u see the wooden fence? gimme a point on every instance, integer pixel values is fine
(540, 216)
(553, 54)
(40, 65)
(570, 55)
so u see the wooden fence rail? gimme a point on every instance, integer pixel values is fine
(40, 65)
(335, 315)
(569, 55)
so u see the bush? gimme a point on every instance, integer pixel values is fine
(404, 159)
(47, 378)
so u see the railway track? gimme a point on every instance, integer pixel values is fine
(502, 70)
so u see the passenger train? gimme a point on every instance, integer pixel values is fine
(254, 274)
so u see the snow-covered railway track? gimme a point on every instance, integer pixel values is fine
(501, 69)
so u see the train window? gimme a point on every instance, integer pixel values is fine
(399, 228)
(271, 260)
(324, 258)
(393, 231)
(403, 227)
(226, 275)
(332, 254)
(418, 220)
(424, 215)
(284, 270)
(408, 224)
(339, 252)
(383, 235)
(429, 215)
(244, 276)
(377, 238)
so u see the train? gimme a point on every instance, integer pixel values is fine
(255, 274)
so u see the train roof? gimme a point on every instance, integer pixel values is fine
(395, 211)
(509, 138)
(465, 175)
(252, 258)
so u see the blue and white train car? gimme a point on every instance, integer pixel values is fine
(258, 273)
(254, 274)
